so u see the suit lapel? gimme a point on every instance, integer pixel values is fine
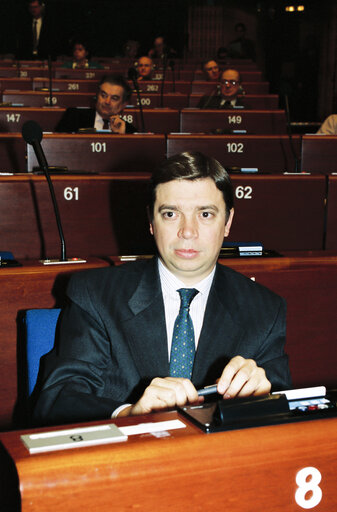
(146, 329)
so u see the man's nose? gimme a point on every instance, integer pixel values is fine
(188, 229)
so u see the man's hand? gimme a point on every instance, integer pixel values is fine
(117, 125)
(162, 394)
(242, 377)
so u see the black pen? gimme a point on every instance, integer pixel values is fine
(208, 390)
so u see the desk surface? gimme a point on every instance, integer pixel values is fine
(253, 121)
(184, 470)
(319, 153)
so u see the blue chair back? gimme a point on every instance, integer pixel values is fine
(40, 336)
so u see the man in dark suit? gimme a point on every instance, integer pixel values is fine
(113, 95)
(36, 34)
(225, 94)
(118, 335)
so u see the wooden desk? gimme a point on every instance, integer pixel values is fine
(13, 118)
(42, 99)
(101, 153)
(21, 84)
(170, 100)
(12, 152)
(331, 228)
(156, 120)
(253, 121)
(24, 71)
(101, 215)
(31, 286)
(66, 84)
(80, 74)
(251, 101)
(204, 87)
(319, 153)
(248, 470)
(268, 153)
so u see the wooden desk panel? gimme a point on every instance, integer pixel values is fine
(170, 100)
(284, 213)
(268, 153)
(101, 153)
(30, 286)
(24, 72)
(12, 153)
(331, 229)
(155, 86)
(80, 74)
(95, 213)
(21, 84)
(253, 121)
(204, 87)
(251, 101)
(13, 118)
(186, 470)
(319, 153)
(63, 84)
(42, 99)
(159, 120)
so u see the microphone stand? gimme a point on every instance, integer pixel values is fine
(163, 80)
(215, 92)
(133, 75)
(172, 65)
(287, 110)
(32, 134)
(50, 72)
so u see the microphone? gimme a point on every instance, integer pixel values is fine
(50, 72)
(32, 134)
(133, 75)
(164, 60)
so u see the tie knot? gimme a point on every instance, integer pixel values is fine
(186, 296)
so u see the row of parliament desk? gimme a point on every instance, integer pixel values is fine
(105, 214)
(307, 280)
(261, 468)
(97, 74)
(150, 99)
(147, 86)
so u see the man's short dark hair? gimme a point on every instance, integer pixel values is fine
(192, 165)
(118, 79)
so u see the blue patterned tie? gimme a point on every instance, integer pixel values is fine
(183, 346)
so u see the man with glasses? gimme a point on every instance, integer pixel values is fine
(113, 95)
(226, 93)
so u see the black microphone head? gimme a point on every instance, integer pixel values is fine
(31, 132)
(132, 74)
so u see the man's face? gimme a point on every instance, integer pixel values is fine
(159, 44)
(110, 100)
(79, 52)
(189, 225)
(35, 9)
(144, 67)
(230, 83)
(212, 70)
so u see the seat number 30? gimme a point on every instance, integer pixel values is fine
(308, 493)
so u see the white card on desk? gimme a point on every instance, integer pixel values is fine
(72, 438)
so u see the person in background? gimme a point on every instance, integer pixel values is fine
(145, 68)
(241, 47)
(211, 71)
(329, 126)
(226, 93)
(113, 95)
(81, 58)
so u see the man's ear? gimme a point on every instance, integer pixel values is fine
(229, 222)
(149, 219)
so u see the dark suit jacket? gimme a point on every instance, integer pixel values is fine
(49, 40)
(215, 102)
(76, 118)
(113, 339)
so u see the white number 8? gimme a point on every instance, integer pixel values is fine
(308, 486)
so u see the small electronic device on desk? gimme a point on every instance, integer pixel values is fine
(245, 249)
(281, 407)
(7, 260)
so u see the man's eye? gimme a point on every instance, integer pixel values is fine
(168, 215)
(206, 215)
